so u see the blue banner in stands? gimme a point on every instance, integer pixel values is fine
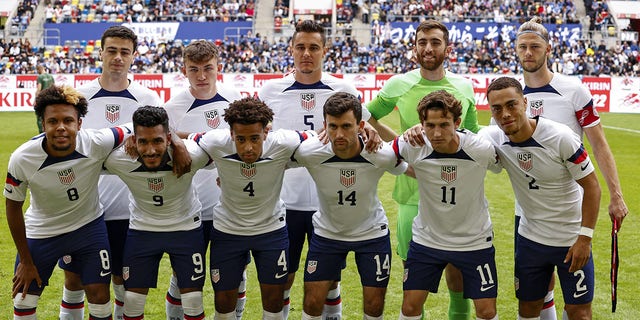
(62, 33)
(461, 31)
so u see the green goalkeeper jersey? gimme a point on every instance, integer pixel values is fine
(405, 91)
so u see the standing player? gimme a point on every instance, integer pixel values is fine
(250, 216)
(566, 100)
(350, 217)
(197, 109)
(44, 80)
(453, 226)
(112, 100)
(296, 101)
(164, 208)
(558, 193)
(431, 49)
(64, 218)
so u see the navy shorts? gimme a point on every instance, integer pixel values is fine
(425, 265)
(143, 252)
(535, 264)
(326, 258)
(86, 248)
(300, 227)
(229, 258)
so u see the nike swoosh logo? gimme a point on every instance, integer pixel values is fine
(104, 274)
(578, 295)
(128, 130)
(585, 166)
(194, 278)
(483, 289)
(279, 276)
(8, 190)
(378, 278)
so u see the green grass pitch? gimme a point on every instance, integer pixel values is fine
(623, 134)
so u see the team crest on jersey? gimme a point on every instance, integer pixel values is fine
(449, 174)
(536, 107)
(312, 265)
(347, 177)
(155, 184)
(66, 176)
(308, 101)
(248, 170)
(112, 112)
(213, 118)
(525, 160)
(66, 259)
(125, 273)
(215, 275)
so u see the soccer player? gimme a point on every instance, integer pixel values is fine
(350, 216)
(566, 100)
(112, 100)
(250, 216)
(453, 225)
(430, 51)
(559, 196)
(200, 108)
(297, 101)
(64, 219)
(164, 208)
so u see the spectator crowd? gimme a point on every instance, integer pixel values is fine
(256, 54)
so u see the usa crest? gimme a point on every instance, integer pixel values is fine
(347, 177)
(66, 176)
(213, 118)
(308, 101)
(125, 273)
(215, 275)
(536, 107)
(155, 184)
(248, 170)
(525, 160)
(112, 112)
(312, 265)
(449, 174)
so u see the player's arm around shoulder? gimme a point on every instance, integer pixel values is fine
(486, 152)
(389, 160)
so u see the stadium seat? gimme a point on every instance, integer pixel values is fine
(89, 49)
(83, 43)
(91, 42)
(99, 43)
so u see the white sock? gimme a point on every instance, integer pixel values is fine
(192, 304)
(523, 318)
(494, 318)
(266, 315)
(332, 309)
(118, 304)
(100, 311)
(134, 304)
(305, 316)
(242, 296)
(72, 305)
(26, 307)
(403, 317)
(565, 316)
(286, 304)
(173, 302)
(548, 308)
(225, 316)
(368, 317)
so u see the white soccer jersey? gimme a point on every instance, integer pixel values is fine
(453, 213)
(566, 100)
(106, 109)
(189, 114)
(159, 200)
(348, 190)
(543, 171)
(250, 201)
(64, 192)
(299, 106)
